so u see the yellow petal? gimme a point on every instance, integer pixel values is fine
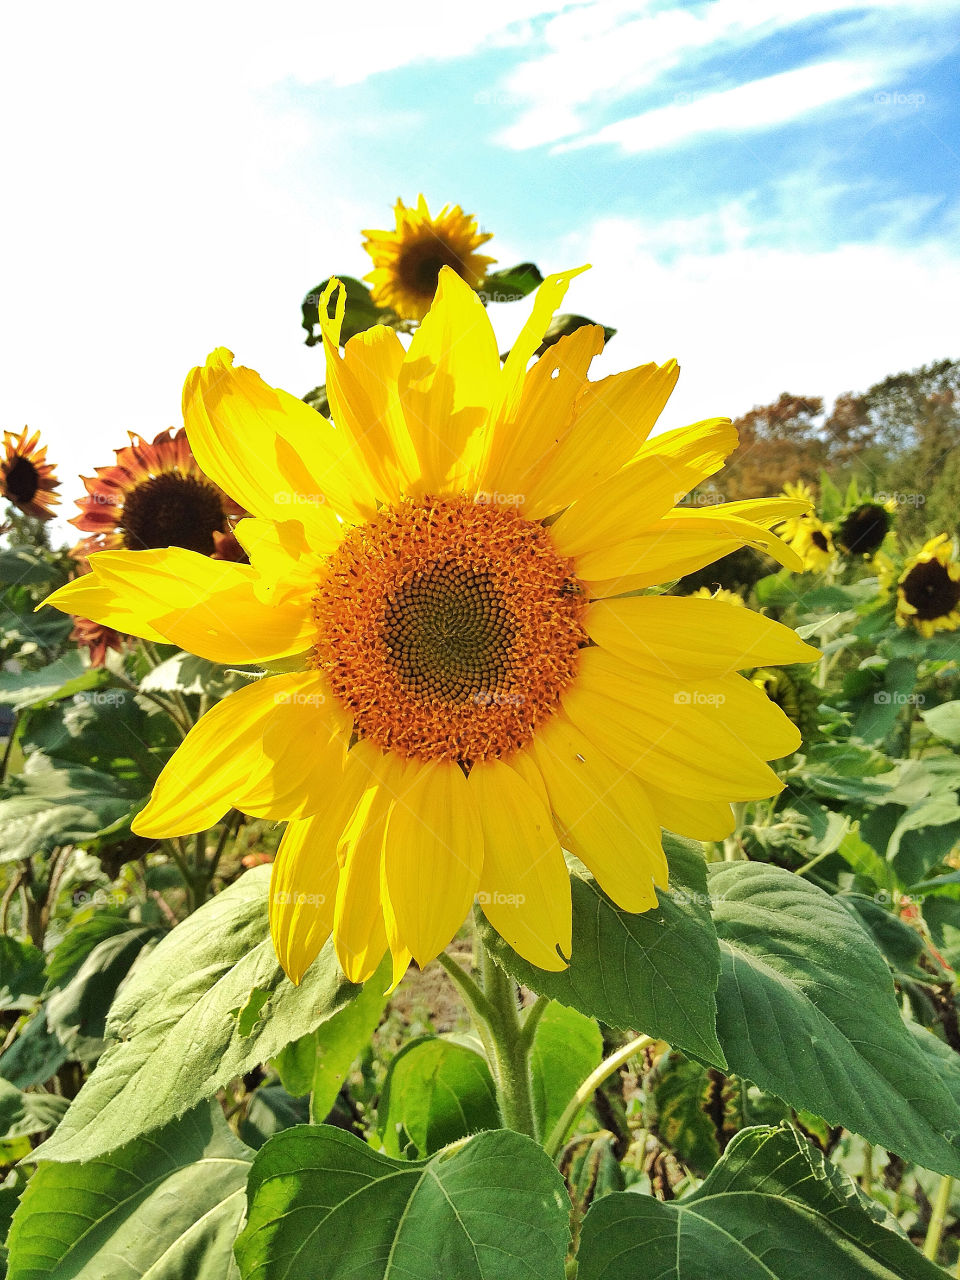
(660, 733)
(691, 816)
(362, 387)
(271, 452)
(208, 607)
(432, 855)
(358, 927)
(516, 448)
(613, 418)
(643, 492)
(447, 381)
(680, 543)
(680, 633)
(287, 564)
(607, 819)
(216, 762)
(524, 885)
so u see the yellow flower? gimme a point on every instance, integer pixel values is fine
(803, 493)
(720, 593)
(448, 566)
(26, 478)
(407, 262)
(928, 593)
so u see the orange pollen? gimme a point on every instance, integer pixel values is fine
(448, 628)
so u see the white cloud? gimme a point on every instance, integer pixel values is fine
(597, 54)
(761, 104)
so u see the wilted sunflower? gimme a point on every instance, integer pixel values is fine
(471, 697)
(155, 495)
(928, 593)
(26, 478)
(862, 530)
(407, 262)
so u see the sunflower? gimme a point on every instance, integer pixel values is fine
(407, 262)
(801, 491)
(928, 593)
(861, 531)
(466, 690)
(154, 496)
(26, 478)
(717, 593)
(812, 541)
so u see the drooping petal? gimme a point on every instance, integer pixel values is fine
(447, 383)
(625, 506)
(683, 541)
(659, 732)
(432, 856)
(363, 390)
(606, 815)
(303, 890)
(612, 419)
(524, 884)
(208, 607)
(271, 452)
(680, 633)
(220, 758)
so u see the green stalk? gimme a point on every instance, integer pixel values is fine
(558, 1137)
(931, 1246)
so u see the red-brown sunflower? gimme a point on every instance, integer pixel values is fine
(26, 478)
(156, 496)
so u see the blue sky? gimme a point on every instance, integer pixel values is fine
(768, 191)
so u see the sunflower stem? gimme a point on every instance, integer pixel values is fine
(555, 1142)
(507, 1047)
(931, 1246)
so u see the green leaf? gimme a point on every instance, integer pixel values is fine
(35, 1054)
(944, 721)
(168, 1206)
(46, 807)
(61, 679)
(496, 1209)
(656, 971)
(21, 973)
(772, 1209)
(318, 1063)
(188, 674)
(562, 325)
(511, 284)
(567, 1046)
(87, 931)
(879, 710)
(436, 1092)
(22, 1114)
(807, 1011)
(26, 566)
(679, 1092)
(80, 1007)
(361, 311)
(866, 861)
(270, 1110)
(179, 1039)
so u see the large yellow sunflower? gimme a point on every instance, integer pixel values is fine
(475, 692)
(26, 478)
(407, 262)
(928, 593)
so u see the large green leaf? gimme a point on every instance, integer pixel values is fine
(807, 1011)
(318, 1063)
(25, 1113)
(322, 1203)
(106, 730)
(61, 679)
(436, 1091)
(207, 1004)
(656, 972)
(168, 1207)
(772, 1209)
(80, 1007)
(567, 1046)
(944, 721)
(510, 284)
(21, 973)
(45, 807)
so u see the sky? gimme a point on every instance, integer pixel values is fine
(768, 190)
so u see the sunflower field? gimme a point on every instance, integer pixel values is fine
(447, 829)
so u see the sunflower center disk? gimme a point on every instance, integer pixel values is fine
(930, 589)
(23, 480)
(173, 510)
(448, 628)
